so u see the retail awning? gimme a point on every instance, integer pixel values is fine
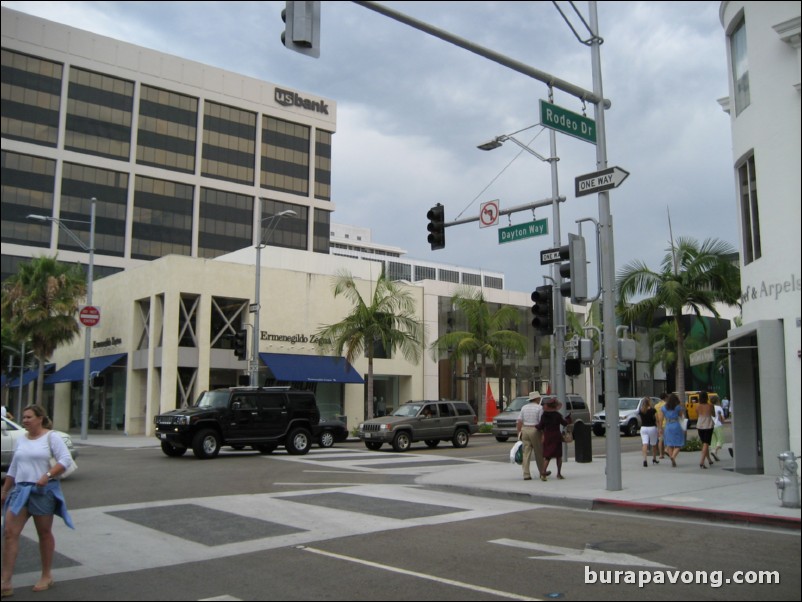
(29, 376)
(310, 368)
(74, 371)
(708, 354)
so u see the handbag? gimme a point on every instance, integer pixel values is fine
(517, 453)
(684, 424)
(568, 436)
(73, 466)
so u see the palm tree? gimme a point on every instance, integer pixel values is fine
(690, 276)
(387, 319)
(39, 304)
(487, 338)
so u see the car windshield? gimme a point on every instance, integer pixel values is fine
(408, 409)
(213, 399)
(628, 403)
(516, 404)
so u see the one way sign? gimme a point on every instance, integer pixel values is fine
(599, 181)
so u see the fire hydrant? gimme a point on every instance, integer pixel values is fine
(788, 484)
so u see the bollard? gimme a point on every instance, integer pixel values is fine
(788, 484)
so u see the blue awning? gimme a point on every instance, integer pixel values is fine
(29, 376)
(290, 367)
(74, 371)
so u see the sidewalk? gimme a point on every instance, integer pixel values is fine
(717, 494)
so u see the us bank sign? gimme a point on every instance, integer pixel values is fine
(288, 98)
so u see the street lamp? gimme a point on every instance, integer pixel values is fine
(558, 370)
(89, 278)
(253, 369)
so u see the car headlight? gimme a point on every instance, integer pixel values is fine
(495, 421)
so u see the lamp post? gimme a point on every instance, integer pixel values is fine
(89, 279)
(253, 369)
(558, 369)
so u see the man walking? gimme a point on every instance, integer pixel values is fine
(532, 438)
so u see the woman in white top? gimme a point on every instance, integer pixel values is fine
(31, 489)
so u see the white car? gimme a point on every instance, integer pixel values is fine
(12, 431)
(628, 416)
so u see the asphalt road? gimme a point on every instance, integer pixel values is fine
(348, 524)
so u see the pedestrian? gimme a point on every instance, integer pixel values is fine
(648, 430)
(661, 424)
(31, 488)
(717, 442)
(528, 419)
(673, 433)
(704, 426)
(550, 423)
(725, 405)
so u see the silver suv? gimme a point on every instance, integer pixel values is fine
(504, 425)
(429, 421)
(628, 416)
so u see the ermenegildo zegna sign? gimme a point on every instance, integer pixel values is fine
(292, 339)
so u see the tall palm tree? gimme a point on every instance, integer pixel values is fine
(487, 338)
(39, 303)
(691, 276)
(387, 319)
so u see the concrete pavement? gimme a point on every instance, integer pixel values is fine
(716, 493)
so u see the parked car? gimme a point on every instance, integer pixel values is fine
(12, 431)
(330, 431)
(504, 424)
(628, 416)
(429, 421)
(263, 418)
(692, 400)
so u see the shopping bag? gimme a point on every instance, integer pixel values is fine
(517, 453)
(684, 424)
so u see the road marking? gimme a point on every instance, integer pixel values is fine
(585, 556)
(393, 569)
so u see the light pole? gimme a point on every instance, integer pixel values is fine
(89, 279)
(253, 369)
(558, 370)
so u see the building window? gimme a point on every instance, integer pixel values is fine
(321, 240)
(448, 276)
(162, 222)
(323, 165)
(423, 272)
(168, 127)
(229, 143)
(226, 222)
(494, 282)
(285, 156)
(740, 67)
(750, 217)
(399, 271)
(31, 95)
(79, 183)
(99, 114)
(471, 279)
(289, 231)
(27, 187)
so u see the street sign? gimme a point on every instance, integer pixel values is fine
(550, 256)
(89, 316)
(567, 122)
(599, 181)
(488, 214)
(511, 233)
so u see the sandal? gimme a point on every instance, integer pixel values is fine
(559, 476)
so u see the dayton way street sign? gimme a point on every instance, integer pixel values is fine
(511, 233)
(599, 181)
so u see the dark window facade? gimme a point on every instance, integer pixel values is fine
(323, 165)
(79, 183)
(226, 222)
(99, 109)
(27, 187)
(31, 94)
(289, 232)
(162, 219)
(168, 130)
(750, 216)
(229, 143)
(494, 282)
(322, 227)
(285, 156)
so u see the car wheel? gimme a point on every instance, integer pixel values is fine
(501, 439)
(599, 430)
(461, 438)
(373, 445)
(432, 443)
(173, 452)
(298, 442)
(326, 439)
(206, 444)
(402, 442)
(632, 428)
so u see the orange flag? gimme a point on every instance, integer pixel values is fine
(491, 410)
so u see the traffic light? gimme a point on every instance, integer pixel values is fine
(437, 227)
(574, 272)
(573, 367)
(241, 344)
(97, 380)
(302, 27)
(543, 310)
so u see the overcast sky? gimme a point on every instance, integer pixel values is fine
(412, 109)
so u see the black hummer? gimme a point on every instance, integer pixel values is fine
(260, 417)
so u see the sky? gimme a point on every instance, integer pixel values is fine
(411, 110)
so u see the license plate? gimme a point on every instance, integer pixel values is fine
(368, 435)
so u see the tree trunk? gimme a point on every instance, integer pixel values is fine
(370, 408)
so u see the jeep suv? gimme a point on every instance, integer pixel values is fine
(260, 417)
(629, 420)
(429, 421)
(505, 424)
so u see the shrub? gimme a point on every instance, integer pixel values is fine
(692, 445)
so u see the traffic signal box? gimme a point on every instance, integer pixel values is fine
(437, 227)
(543, 310)
(574, 272)
(302, 27)
(241, 344)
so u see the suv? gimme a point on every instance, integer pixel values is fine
(628, 416)
(429, 421)
(505, 424)
(261, 417)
